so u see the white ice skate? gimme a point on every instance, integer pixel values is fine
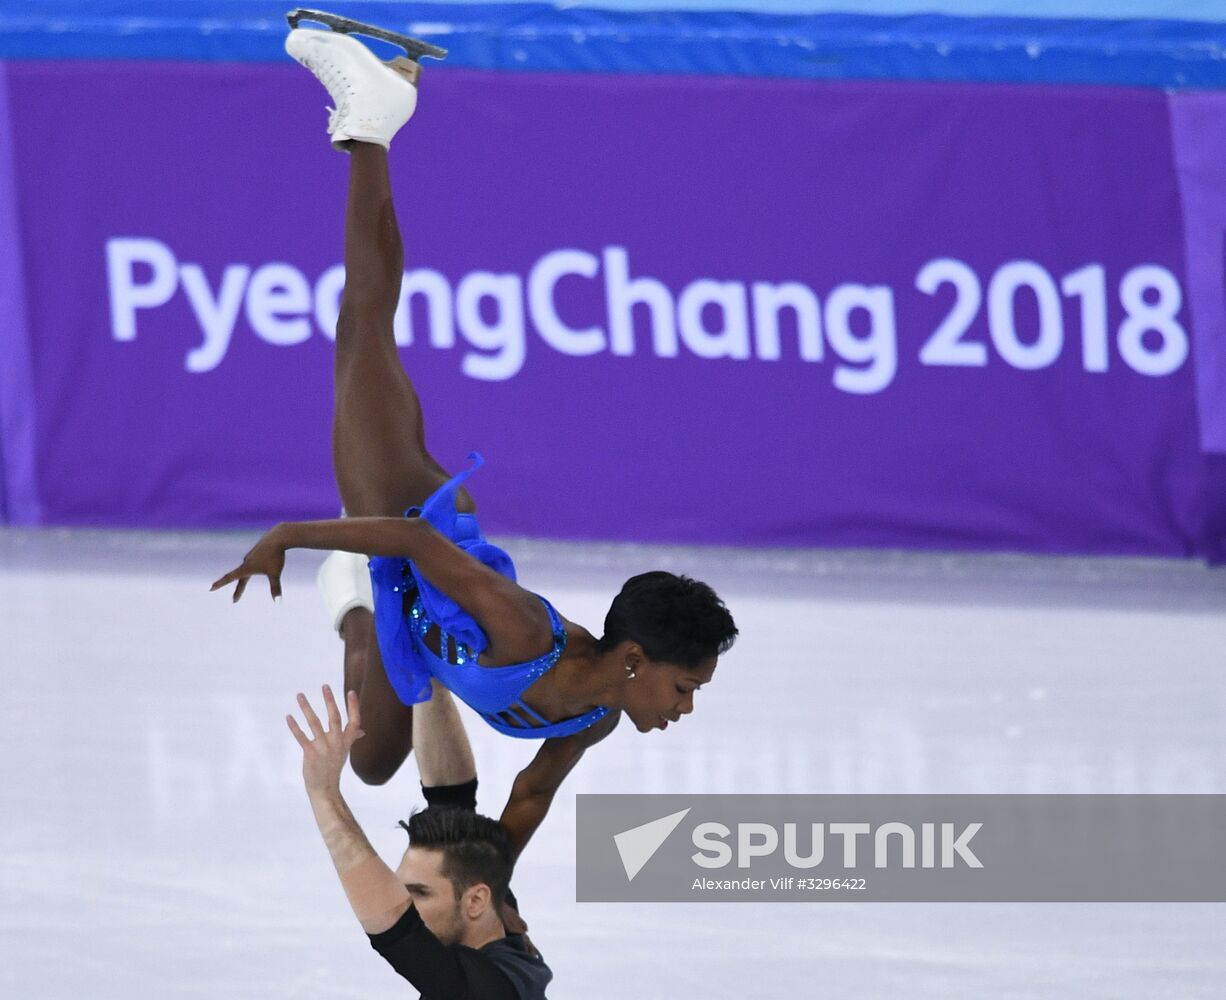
(344, 583)
(373, 98)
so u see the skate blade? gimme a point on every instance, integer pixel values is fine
(414, 48)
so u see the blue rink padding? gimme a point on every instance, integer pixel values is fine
(539, 37)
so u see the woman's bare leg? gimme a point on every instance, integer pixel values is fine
(388, 724)
(378, 440)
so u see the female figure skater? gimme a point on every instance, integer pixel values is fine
(445, 601)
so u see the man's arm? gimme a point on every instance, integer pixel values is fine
(445, 761)
(440, 743)
(535, 786)
(377, 896)
(379, 900)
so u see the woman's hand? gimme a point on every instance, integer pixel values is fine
(267, 558)
(512, 922)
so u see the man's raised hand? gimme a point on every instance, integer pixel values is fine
(324, 756)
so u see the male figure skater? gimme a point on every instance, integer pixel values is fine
(437, 919)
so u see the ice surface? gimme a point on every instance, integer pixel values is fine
(157, 842)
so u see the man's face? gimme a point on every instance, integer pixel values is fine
(432, 893)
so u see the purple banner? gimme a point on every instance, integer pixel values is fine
(701, 309)
(1198, 127)
(18, 486)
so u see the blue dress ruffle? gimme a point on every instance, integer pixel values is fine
(390, 577)
(408, 606)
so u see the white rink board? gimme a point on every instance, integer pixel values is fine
(157, 841)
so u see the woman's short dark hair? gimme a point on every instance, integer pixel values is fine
(475, 848)
(674, 618)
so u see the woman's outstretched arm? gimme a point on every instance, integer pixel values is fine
(514, 619)
(371, 536)
(535, 786)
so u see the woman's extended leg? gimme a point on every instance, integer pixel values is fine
(378, 441)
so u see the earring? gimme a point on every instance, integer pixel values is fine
(630, 673)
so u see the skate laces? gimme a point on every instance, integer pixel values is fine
(336, 116)
(329, 74)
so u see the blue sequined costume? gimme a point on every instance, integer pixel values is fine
(408, 606)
